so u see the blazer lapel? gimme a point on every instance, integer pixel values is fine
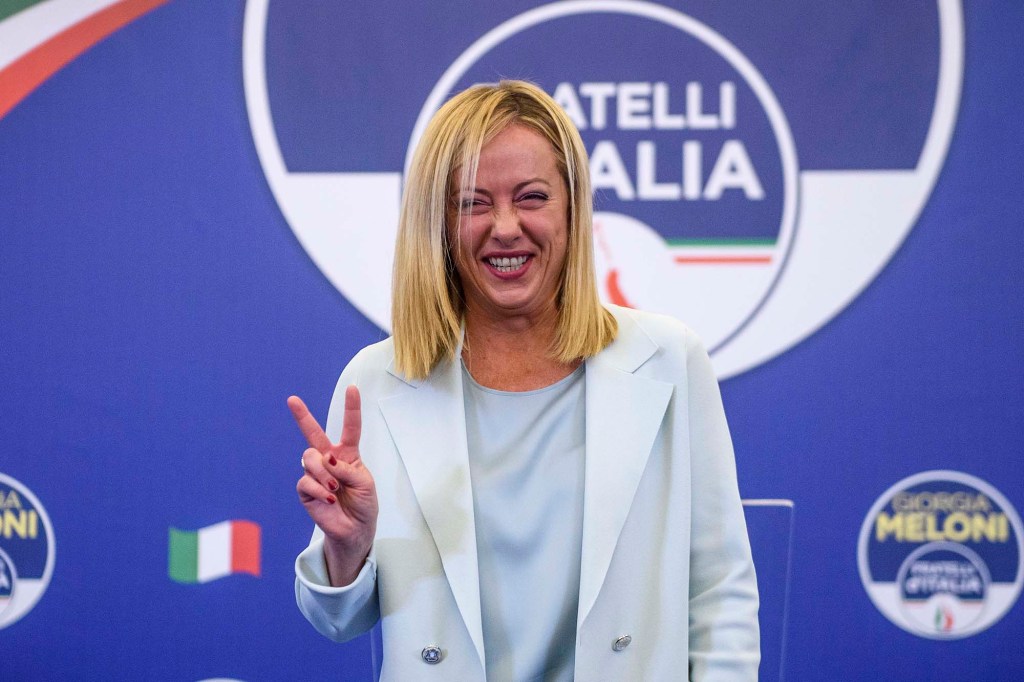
(623, 414)
(428, 425)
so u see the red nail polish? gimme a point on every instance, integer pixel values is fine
(332, 461)
(331, 499)
(333, 485)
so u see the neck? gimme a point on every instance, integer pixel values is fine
(513, 354)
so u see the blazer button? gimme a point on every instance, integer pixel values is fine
(621, 643)
(431, 654)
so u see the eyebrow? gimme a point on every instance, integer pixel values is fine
(515, 189)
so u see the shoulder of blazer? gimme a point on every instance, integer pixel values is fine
(645, 338)
(641, 337)
(367, 370)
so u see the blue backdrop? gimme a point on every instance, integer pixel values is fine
(156, 309)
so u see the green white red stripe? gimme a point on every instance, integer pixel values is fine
(199, 556)
(27, 28)
(722, 251)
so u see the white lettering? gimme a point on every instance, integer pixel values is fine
(663, 119)
(608, 172)
(695, 115)
(727, 104)
(733, 170)
(634, 106)
(598, 94)
(647, 185)
(566, 97)
(693, 169)
(640, 105)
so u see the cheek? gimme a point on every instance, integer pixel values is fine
(461, 241)
(453, 233)
(560, 239)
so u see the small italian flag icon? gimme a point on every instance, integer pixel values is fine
(199, 556)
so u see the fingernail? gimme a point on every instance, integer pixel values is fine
(331, 460)
(333, 485)
(331, 499)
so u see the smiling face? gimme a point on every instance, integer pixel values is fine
(509, 235)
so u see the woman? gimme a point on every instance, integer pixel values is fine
(553, 494)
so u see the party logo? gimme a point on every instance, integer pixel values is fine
(27, 550)
(940, 554)
(749, 198)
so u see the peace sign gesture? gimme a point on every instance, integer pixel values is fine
(337, 490)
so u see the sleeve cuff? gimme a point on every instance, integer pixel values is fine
(311, 571)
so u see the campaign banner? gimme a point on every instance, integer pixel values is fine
(198, 206)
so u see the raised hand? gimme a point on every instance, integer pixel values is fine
(337, 490)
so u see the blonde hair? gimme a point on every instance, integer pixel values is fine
(427, 304)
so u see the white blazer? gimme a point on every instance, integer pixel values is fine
(667, 582)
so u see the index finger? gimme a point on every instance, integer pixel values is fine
(308, 424)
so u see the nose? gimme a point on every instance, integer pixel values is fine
(506, 228)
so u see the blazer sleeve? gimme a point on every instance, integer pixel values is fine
(339, 613)
(724, 635)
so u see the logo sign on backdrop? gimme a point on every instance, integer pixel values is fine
(702, 209)
(27, 550)
(940, 554)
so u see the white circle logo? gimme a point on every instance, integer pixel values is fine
(27, 550)
(702, 208)
(940, 554)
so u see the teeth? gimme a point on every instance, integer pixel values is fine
(507, 264)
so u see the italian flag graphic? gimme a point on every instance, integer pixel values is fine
(199, 556)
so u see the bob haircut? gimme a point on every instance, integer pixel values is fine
(427, 302)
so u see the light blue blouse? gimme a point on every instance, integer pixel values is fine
(526, 462)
